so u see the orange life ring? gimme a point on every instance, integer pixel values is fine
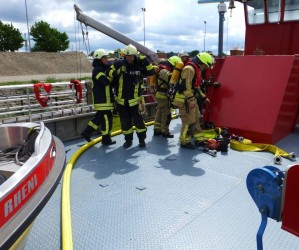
(78, 89)
(43, 100)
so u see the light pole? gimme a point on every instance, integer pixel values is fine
(221, 10)
(27, 26)
(204, 37)
(143, 10)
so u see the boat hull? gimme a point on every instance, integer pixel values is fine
(27, 188)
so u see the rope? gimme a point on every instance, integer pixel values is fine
(85, 40)
(76, 44)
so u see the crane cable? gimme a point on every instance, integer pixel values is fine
(77, 41)
(85, 40)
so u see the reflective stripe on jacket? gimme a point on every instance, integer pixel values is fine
(129, 79)
(101, 87)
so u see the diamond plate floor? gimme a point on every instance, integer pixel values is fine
(161, 197)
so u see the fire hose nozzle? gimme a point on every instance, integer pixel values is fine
(277, 159)
(237, 137)
(292, 156)
(210, 152)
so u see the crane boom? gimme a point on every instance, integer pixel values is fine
(114, 34)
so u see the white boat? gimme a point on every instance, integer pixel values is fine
(32, 161)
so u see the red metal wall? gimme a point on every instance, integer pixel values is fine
(259, 97)
(273, 38)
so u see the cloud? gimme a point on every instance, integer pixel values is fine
(170, 25)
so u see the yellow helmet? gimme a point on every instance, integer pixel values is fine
(206, 59)
(130, 50)
(174, 60)
(99, 53)
(121, 54)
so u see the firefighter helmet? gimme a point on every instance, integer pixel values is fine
(99, 53)
(183, 53)
(174, 60)
(130, 50)
(206, 59)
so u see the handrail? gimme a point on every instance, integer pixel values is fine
(19, 103)
(38, 139)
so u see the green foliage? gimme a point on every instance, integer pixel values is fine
(48, 39)
(51, 79)
(10, 38)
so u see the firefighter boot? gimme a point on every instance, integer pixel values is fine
(129, 140)
(157, 133)
(188, 145)
(127, 144)
(106, 140)
(141, 143)
(87, 133)
(167, 135)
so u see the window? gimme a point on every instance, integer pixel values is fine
(291, 10)
(255, 12)
(274, 8)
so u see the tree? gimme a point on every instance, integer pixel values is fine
(10, 38)
(48, 39)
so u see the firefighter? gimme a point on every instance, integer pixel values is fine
(128, 74)
(163, 114)
(186, 101)
(184, 56)
(103, 99)
(207, 81)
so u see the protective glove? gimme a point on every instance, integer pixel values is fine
(142, 108)
(216, 84)
(207, 101)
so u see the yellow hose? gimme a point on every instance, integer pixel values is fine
(247, 145)
(67, 238)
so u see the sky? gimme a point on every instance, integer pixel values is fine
(169, 25)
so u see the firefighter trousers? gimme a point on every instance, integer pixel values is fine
(190, 124)
(130, 116)
(163, 116)
(102, 120)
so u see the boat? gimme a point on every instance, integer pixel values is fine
(160, 197)
(31, 165)
(167, 197)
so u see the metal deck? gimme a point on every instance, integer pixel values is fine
(162, 197)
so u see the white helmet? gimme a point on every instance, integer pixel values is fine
(183, 53)
(130, 50)
(99, 53)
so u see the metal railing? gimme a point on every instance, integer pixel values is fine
(20, 103)
(26, 103)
